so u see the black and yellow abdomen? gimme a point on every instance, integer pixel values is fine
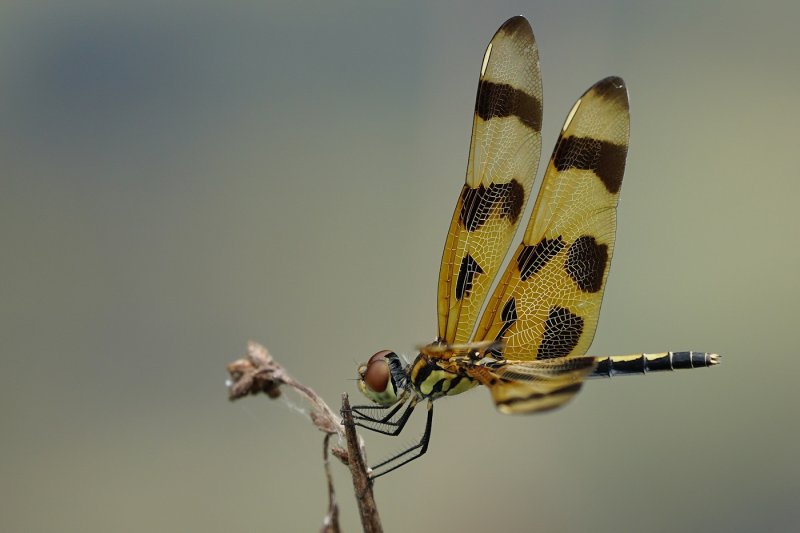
(642, 363)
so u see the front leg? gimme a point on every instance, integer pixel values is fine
(384, 425)
(362, 410)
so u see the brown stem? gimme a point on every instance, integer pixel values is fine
(330, 524)
(259, 372)
(370, 520)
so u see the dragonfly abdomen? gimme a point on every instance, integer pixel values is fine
(642, 363)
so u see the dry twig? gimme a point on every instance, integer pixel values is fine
(259, 372)
(330, 524)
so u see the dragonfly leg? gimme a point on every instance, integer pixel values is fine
(385, 424)
(361, 411)
(406, 456)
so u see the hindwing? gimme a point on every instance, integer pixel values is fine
(534, 386)
(548, 301)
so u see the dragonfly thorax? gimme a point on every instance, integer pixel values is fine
(430, 380)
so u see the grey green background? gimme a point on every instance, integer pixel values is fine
(178, 178)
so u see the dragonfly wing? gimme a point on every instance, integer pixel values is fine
(503, 159)
(548, 301)
(535, 386)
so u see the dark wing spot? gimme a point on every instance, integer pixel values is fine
(477, 205)
(509, 312)
(562, 331)
(509, 316)
(503, 100)
(606, 159)
(533, 258)
(514, 199)
(586, 263)
(466, 274)
(612, 89)
(515, 25)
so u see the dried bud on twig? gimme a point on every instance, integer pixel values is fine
(259, 372)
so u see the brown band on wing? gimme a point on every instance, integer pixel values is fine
(503, 100)
(606, 159)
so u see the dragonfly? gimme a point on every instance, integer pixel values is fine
(529, 346)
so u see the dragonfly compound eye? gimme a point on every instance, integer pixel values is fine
(377, 374)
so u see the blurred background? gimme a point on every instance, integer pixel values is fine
(178, 178)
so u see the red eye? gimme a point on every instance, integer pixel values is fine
(377, 374)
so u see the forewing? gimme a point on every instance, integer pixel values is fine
(503, 159)
(548, 300)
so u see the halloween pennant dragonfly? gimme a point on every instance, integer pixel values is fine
(529, 346)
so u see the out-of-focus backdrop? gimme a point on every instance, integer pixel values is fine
(177, 178)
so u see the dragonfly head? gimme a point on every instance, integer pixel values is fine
(382, 377)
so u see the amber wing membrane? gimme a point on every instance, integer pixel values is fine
(503, 159)
(547, 303)
(535, 386)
